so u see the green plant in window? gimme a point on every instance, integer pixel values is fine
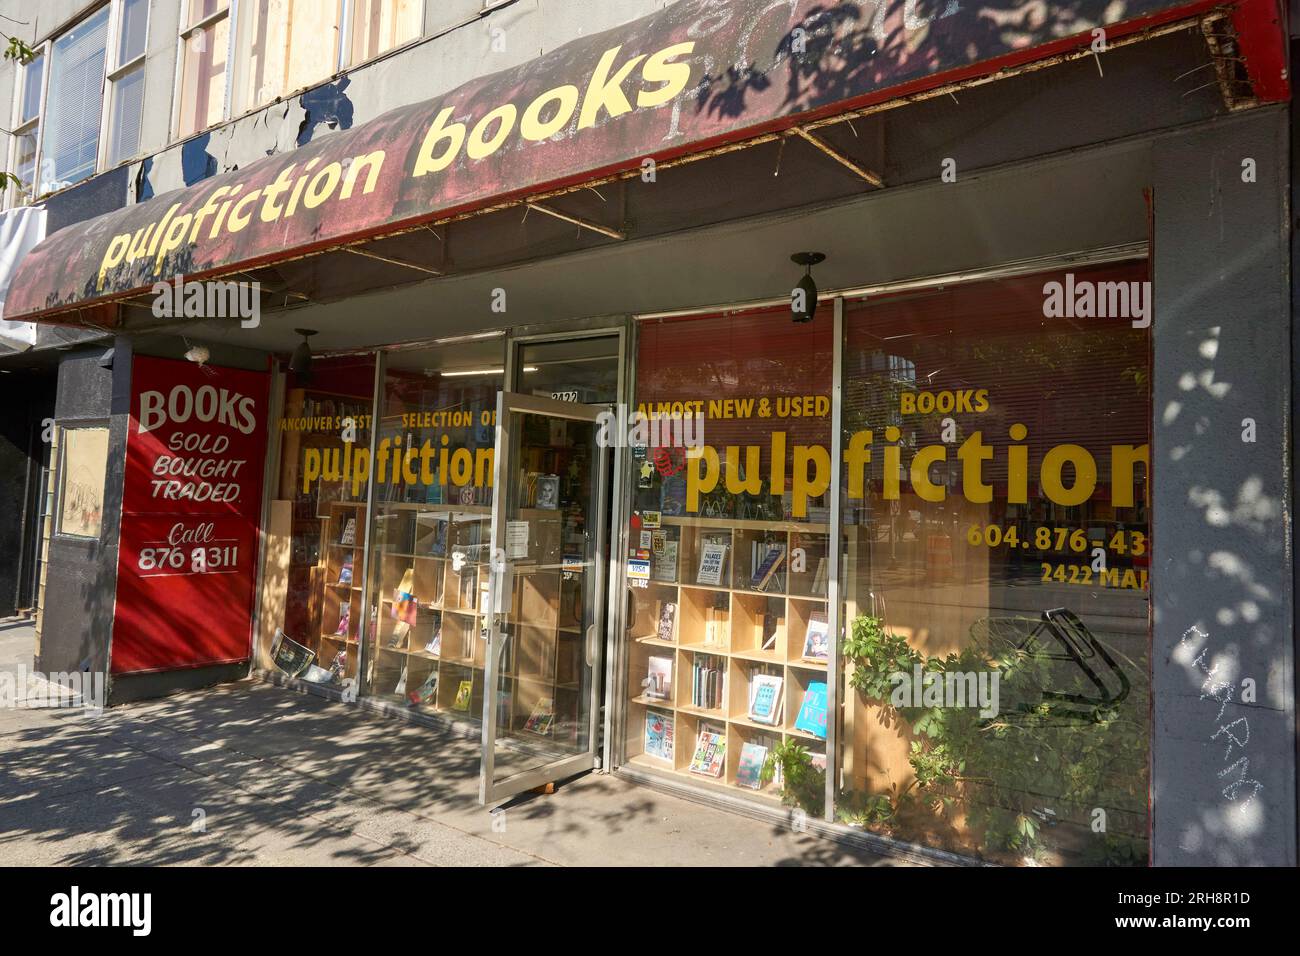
(1016, 775)
(803, 785)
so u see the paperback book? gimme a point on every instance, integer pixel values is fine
(667, 621)
(539, 721)
(659, 678)
(816, 641)
(349, 536)
(427, 691)
(749, 771)
(290, 656)
(713, 556)
(345, 572)
(812, 713)
(659, 735)
(710, 754)
(765, 699)
(765, 572)
(463, 693)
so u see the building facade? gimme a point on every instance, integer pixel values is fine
(871, 415)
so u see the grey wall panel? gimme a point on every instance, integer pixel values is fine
(1223, 764)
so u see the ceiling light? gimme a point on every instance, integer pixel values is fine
(803, 299)
(300, 361)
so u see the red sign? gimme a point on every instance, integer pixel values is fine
(187, 557)
(695, 74)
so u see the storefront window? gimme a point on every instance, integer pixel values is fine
(432, 529)
(995, 563)
(316, 531)
(728, 559)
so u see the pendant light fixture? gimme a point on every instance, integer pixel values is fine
(803, 299)
(300, 361)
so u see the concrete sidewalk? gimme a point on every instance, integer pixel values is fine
(251, 774)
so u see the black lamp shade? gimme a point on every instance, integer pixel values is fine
(809, 297)
(300, 361)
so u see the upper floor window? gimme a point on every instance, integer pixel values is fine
(285, 46)
(70, 148)
(205, 53)
(235, 58)
(62, 131)
(378, 26)
(126, 81)
(27, 128)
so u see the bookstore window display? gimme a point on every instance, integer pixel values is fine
(995, 570)
(728, 549)
(432, 529)
(318, 519)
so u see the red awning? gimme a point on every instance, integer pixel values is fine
(695, 75)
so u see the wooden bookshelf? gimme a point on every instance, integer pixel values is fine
(541, 651)
(321, 611)
(737, 630)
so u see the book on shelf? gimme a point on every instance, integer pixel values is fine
(659, 735)
(819, 579)
(463, 694)
(715, 622)
(290, 656)
(427, 691)
(539, 721)
(765, 699)
(659, 678)
(349, 535)
(769, 628)
(345, 619)
(816, 640)
(664, 567)
(338, 666)
(749, 770)
(707, 680)
(765, 571)
(710, 753)
(434, 644)
(812, 712)
(405, 607)
(548, 492)
(400, 688)
(713, 558)
(345, 571)
(667, 621)
(401, 633)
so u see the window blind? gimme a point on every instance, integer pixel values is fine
(74, 104)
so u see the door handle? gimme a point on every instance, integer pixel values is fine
(591, 645)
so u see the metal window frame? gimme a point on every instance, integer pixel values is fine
(12, 194)
(1100, 255)
(115, 72)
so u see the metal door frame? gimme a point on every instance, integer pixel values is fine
(491, 790)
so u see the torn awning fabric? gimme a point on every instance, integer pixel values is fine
(694, 75)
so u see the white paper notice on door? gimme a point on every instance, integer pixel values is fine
(516, 540)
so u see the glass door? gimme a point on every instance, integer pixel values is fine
(545, 620)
